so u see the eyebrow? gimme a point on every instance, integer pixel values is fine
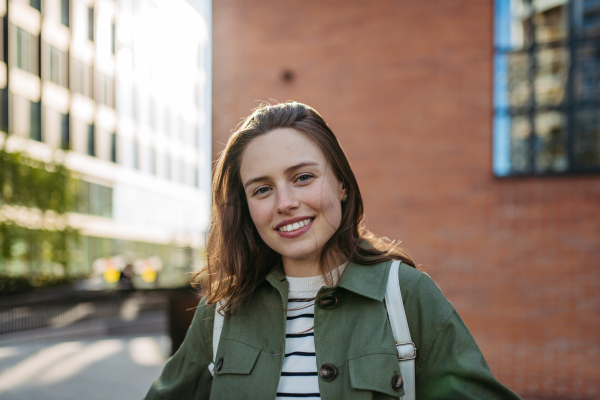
(286, 171)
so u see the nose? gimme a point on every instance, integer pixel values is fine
(286, 200)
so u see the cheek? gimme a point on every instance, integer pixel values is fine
(259, 215)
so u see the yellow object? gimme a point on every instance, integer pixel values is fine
(111, 275)
(148, 274)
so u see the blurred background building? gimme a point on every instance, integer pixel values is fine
(119, 91)
(474, 130)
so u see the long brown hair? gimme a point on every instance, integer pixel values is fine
(238, 260)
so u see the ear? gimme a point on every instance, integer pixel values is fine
(343, 191)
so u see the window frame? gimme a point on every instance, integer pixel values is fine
(570, 107)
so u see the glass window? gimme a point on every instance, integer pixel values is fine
(83, 198)
(58, 66)
(105, 201)
(64, 12)
(113, 38)
(35, 118)
(546, 87)
(83, 79)
(113, 147)
(91, 140)
(135, 155)
(37, 4)
(27, 50)
(4, 110)
(65, 133)
(94, 199)
(91, 23)
(152, 157)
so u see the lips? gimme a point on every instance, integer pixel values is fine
(292, 221)
(296, 232)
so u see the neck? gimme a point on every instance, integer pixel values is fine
(309, 266)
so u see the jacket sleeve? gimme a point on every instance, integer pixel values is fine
(456, 368)
(449, 364)
(186, 375)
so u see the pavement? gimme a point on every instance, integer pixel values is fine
(113, 367)
(83, 362)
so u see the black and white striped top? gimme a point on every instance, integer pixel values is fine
(299, 375)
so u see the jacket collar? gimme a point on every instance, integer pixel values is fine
(366, 280)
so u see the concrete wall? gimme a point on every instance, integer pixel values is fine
(407, 88)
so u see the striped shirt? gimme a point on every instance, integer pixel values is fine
(299, 374)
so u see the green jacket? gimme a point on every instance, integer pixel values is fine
(355, 336)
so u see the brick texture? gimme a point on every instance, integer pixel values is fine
(407, 88)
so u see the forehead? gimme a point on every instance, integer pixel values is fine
(273, 152)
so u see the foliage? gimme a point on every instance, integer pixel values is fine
(46, 189)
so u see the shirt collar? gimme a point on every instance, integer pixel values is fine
(366, 280)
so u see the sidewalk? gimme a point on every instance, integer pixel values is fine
(91, 360)
(113, 367)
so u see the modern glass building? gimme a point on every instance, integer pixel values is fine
(123, 89)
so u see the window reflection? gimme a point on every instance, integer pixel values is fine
(552, 72)
(587, 77)
(519, 88)
(550, 142)
(587, 140)
(519, 144)
(547, 86)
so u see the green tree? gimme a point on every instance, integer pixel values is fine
(36, 240)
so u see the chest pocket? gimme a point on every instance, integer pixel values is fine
(235, 358)
(375, 372)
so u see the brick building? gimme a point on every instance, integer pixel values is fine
(407, 86)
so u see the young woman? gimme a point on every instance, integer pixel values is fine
(302, 284)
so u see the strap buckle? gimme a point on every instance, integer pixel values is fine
(404, 351)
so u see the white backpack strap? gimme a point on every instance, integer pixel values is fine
(407, 352)
(218, 327)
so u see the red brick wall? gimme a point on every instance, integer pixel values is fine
(407, 88)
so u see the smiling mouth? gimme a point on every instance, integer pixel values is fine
(295, 226)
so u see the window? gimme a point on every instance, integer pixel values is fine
(113, 38)
(35, 121)
(135, 155)
(65, 132)
(167, 166)
(91, 140)
(105, 90)
(547, 87)
(91, 23)
(113, 147)
(58, 66)
(27, 50)
(153, 113)
(83, 78)
(64, 12)
(152, 157)
(37, 4)
(95, 199)
(4, 110)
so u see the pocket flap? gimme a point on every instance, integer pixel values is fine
(238, 357)
(375, 372)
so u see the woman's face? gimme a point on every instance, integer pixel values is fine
(293, 195)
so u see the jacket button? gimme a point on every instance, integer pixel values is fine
(328, 301)
(219, 364)
(397, 382)
(328, 372)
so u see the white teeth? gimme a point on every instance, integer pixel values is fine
(294, 226)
